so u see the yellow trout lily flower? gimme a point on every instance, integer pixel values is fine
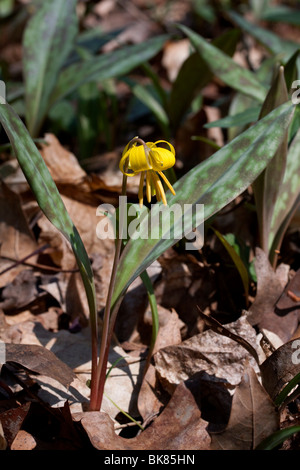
(151, 159)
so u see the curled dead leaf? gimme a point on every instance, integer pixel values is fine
(3, 442)
(178, 427)
(209, 351)
(281, 367)
(149, 401)
(23, 441)
(17, 240)
(253, 417)
(270, 285)
(39, 360)
(12, 420)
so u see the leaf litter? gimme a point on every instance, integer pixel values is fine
(211, 383)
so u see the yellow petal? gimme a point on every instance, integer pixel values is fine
(161, 159)
(167, 182)
(129, 145)
(137, 160)
(165, 145)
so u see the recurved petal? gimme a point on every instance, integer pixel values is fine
(161, 159)
(129, 145)
(165, 145)
(136, 159)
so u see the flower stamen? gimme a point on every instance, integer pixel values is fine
(167, 182)
(141, 189)
(160, 193)
(148, 187)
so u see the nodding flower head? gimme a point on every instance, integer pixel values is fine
(151, 159)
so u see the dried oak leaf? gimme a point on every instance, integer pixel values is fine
(270, 285)
(209, 351)
(280, 367)
(149, 400)
(17, 240)
(23, 441)
(178, 427)
(19, 293)
(39, 360)
(12, 421)
(253, 417)
(3, 442)
(185, 282)
(48, 428)
(290, 298)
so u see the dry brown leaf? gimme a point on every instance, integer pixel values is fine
(253, 417)
(217, 355)
(19, 293)
(149, 401)
(105, 176)
(102, 184)
(39, 360)
(85, 219)
(3, 442)
(70, 178)
(23, 441)
(74, 351)
(174, 54)
(17, 240)
(131, 325)
(290, 299)
(178, 427)
(281, 367)
(62, 164)
(12, 420)
(184, 283)
(270, 285)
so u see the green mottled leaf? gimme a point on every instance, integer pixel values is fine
(270, 40)
(290, 69)
(240, 119)
(48, 39)
(194, 75)
(282, 14)
(213, 183)
(288, 197)
(104, 66)
(241, 102)
(47, 195)
(225, 68)
(266, 186)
